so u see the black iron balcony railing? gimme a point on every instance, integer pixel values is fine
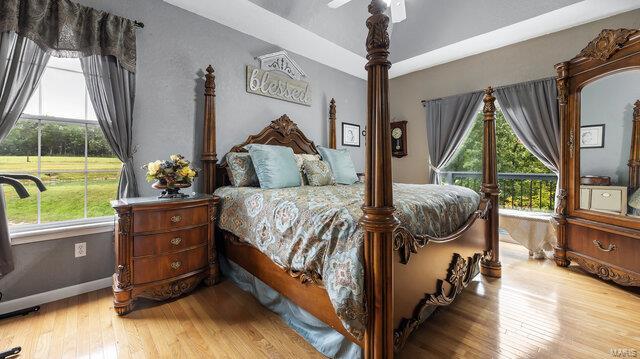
(523, 191)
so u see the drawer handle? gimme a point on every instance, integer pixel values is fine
(606, 195)
(176, 241)
(175, 265)
(599, 245)
(176, 219)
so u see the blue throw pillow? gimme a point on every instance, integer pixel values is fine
(275, 166)
(341, 164)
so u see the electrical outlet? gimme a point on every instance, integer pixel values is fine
(81, 249)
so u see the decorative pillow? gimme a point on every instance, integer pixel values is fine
(341, 164)
(318, 173)
(275, 166)
(300, 158)
(240, 170)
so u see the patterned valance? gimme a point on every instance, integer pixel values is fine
(67, 29)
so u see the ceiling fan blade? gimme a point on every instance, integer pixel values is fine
(337, 3)
(398, 10)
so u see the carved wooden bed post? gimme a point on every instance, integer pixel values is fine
(634, 158)
(332, 124)
(378, 220)
(209, 156)
(490, 265)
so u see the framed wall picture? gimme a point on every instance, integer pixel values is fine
(350, 134)
(592, 136)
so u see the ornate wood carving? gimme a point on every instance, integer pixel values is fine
(566, 145)
(634, 156)
(607, 43)
(209, 157)
(332, 124)
(407, 243)
(606, 271)
(491, 265)
(281, 132)
(173, 289)
(123, 255)
(378, 220)
(459, 275)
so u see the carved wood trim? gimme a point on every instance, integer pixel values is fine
(125, 252)
(491, 265)
(281, 132)
(634, 156)
(407, 243)
(459, 275)
(605, 271)
(209, 157)
(378, 220)
(606, 44)
(173, 289)
(332, 124)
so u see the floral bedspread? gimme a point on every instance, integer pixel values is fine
(315, 230)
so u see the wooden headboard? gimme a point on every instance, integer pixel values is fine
(281, 132)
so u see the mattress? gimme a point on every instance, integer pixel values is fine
(315, 230)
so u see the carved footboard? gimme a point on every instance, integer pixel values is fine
(436, 274)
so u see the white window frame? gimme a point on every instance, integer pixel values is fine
(28, 233)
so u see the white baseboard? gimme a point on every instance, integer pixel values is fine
(53, 295)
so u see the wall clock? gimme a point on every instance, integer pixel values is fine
(399, 138)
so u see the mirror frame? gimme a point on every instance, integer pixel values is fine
(610, 52)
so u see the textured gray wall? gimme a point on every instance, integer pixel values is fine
(609, 101)
(49, 265)
(173, 49)
(529, 60)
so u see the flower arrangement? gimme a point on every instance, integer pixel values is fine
(171, 174)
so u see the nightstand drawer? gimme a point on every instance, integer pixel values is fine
(167, 266)
(154, 244)
(148, 221)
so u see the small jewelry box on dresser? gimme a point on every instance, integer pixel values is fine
(164, 248)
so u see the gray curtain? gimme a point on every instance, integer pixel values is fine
(22, 63)
(111, 89)
(67, 29)
(531, 109)
(448, 120)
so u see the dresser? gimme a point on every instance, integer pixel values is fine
(600, 137)
(164, 248)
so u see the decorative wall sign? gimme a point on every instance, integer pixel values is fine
(350, 134)
(279, 77)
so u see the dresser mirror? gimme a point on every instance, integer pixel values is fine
(605, 140)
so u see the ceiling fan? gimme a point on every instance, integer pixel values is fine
(398, 9)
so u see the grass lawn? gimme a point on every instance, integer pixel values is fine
(64, 198)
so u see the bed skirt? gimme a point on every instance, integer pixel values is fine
(322, 337)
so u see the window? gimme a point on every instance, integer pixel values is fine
(525, 183)
(58, 139)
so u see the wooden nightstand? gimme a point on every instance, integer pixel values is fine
(164, 248)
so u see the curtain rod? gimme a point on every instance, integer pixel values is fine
(494, 87)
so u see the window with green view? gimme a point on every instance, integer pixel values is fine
(58, 139)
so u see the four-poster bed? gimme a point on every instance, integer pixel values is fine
(407, 275)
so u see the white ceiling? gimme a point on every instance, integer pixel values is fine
(435, 31)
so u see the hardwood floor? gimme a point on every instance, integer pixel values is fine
(536, 310)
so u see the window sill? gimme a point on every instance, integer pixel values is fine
(62, 230)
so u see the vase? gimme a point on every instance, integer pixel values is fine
(172, 191)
